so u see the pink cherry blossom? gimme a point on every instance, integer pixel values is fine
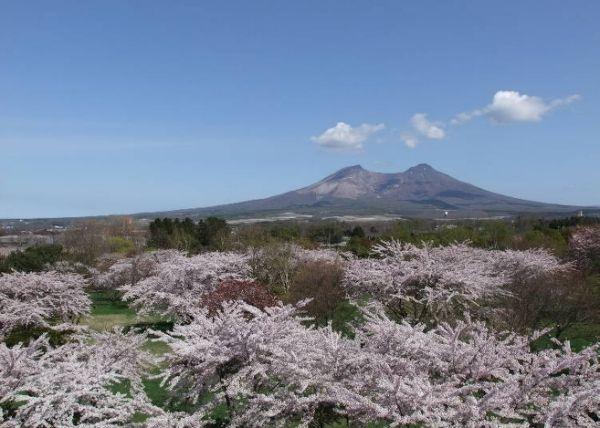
(38, 299)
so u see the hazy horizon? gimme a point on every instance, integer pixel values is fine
(278, 212)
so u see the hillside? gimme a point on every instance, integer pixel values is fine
(420, 191)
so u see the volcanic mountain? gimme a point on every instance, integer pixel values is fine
(420, 191)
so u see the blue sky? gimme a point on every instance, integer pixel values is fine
(128, 106)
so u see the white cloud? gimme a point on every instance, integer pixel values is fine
(464, 117)
(512, 106)
(505, 107)
(344, 137)
(410, 140)
(423, 126)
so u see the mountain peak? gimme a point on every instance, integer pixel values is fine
(348, 171)
(421, 167)
(351, 168)
(420, 191)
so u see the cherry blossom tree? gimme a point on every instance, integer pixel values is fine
(468, 375)
(17, 364)
(178, 420)
(171, 284)
(270, 369)
(440, 365)
(319, 255)
(532, 263)
(64, 266)
(128, 271)
(220, 354)
(176, 288)
(430, 283)
(73, 385)
(40, 299)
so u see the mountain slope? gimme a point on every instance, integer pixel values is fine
(420, 191)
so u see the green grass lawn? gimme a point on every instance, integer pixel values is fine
(579, 335)
(108, 311)
(582, 335)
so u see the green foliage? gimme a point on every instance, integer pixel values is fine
(345, 316)
(211, 233)
(9, 408)
(109, 303)
(285, 232)
(491, 234)
(514, 233)
(402, 231)
(551, 239)
(563, 223)
(327, 233)
(27, 334)
(32, 259)
(157, 347)
(360, 247)
(121, 245)
(579, 335)
(357, 232)
(494, 235)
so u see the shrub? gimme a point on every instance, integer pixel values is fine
(32, 259)
(584, 247)
(121, 245)
(250, 292)
(273, 265)
(320, 281)
(556, 300)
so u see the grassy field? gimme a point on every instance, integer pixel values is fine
(582, 335)
(579, 335)
(108, 311)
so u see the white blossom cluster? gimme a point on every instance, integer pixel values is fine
(128, 271)
(320, 254)
(171, 284)
(65, 266)
(271, 369)
(433, 280)
(71, 385)
(39, 299)
(178, 282)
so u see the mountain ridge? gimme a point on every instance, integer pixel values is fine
(419, 191)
